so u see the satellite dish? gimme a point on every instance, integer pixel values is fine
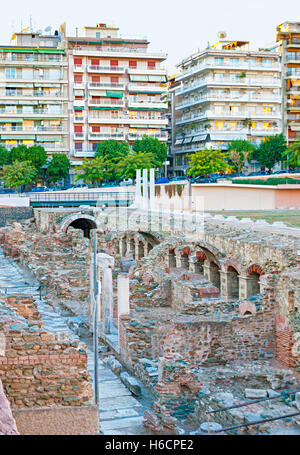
(48, 29)
(222, 35)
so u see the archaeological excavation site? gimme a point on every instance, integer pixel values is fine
(198, 331)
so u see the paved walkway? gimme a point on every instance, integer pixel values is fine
(119, 412)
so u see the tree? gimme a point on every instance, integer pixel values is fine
(58, 167)
(112, 152)
(37, 156)
(18, 174)
(271, 150)
(18, 153)
(92, 171)
(4, 156)
(135, 160)
(292, 154)
(152, 145)
(239, 152)
(207, 161)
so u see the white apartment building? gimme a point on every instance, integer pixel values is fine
(227, 92)
(33, 93)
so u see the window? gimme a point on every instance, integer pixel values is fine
(78, 79)
(132, 64)
(219, 60)
(10, 73)
(234, 109)
(234, 61)
(151, 65)
(95, 62)
(114, 63)
(97, 34)
(266, 109)
(77, 61)
(27, 109)
(219, 76)
(232, 125)
(11, 91)
(267, 125)
(219, 125)
(78, 146)
(114, 79)
(219, 109)
(11, 109)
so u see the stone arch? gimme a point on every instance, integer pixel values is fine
(254, 272)
(81, 221)
(172, 258)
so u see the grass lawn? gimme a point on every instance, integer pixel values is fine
(290, 217)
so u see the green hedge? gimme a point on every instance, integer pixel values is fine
(269, 181)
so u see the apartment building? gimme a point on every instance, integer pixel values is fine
(227, 92)
(117, 90)
(33, 92)
(288, 38)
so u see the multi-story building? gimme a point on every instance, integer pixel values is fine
(288, 37)
(227, 92)
(116, 88)
(33, 92)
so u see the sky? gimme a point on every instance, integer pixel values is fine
(178, 27)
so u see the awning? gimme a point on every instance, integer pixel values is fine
(16, 137)
(79, 92)
(97, 93)
(187, 140)
(39, 84)
(115, 94)
(199, 138)
(78, 108)
(48, 139)
(138, 78)
(11, 120)
(227, 137)
(178, 141)
(105, 107)
(157, 78)
(18, 84)
(144, 126)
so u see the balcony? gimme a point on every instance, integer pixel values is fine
(121, 52)
(159, 136)
(147, 105)
(59, 96)
(242, 66)
(35, 113)
(83, 153)
(34, 129)
(106, 69)
(78, 68)
(106, 136)
(116, 103)
(150, 71)
(101, 86)
(242, 115)
(112, 119)
(34, 78)
(147, 88)
(18, 60)
(240, 82)
(259, 98)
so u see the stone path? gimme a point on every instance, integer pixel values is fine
(119, 412)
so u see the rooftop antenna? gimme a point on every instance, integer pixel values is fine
(30, 23)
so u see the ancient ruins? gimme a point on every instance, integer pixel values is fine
(203, 321)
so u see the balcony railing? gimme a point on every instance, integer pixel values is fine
(115, 69)
(160, 136)
(107, 86)
(239, 66)
(34, 112)
(29, 129)
(117, 136)
(227, 81)
(104, 102)
(33, 94)
(31, 59)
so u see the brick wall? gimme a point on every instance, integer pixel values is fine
(39, 368)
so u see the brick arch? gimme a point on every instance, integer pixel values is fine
(65, 222)
(255, 268)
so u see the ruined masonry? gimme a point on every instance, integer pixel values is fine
(207, 319)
